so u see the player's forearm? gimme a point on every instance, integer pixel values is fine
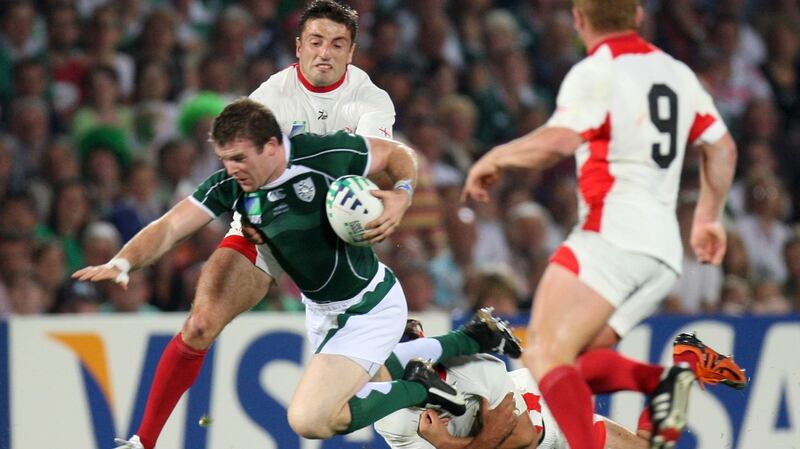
(402, 164)
(717, 166)
(538, 149)
(149, 244)
(158, 237)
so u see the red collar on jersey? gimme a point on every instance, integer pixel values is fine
(320, 90)
(625, 44)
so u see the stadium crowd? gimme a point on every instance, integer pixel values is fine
(105, 108)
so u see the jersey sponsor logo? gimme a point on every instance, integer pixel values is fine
(385, 131)
(298, 127)
(276, 195)
(323, 114)
(252, 206)
(304, 189)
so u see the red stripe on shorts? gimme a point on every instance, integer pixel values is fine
(240, 244)
(566, 258)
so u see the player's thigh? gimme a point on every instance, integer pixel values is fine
(567, 314)
(230, 283)
(328, 383)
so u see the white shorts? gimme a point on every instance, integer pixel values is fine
(365, 328)
(260, 255)
(634, 283)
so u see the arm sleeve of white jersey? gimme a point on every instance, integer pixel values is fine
(583, 99)
(377, 115)
(707, 125)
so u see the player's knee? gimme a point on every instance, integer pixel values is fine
(309, 423)
(201, 329)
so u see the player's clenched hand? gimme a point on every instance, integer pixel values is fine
(252, 234)
(97, 273)
(480, 177)
(498, 423)
(433, 428)
(395, 204)
(709, 241)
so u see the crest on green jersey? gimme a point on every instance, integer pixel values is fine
(252, 207)
(304, 189)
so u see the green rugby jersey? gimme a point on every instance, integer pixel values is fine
(290, 211)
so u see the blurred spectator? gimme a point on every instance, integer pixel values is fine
(194, 121)
(736, 261)
(737, 295)
(18, 214)
(133, 299)
(17, 39)
(138, 204)
(103, 106)
(105, 159)
(762, 231)
(532, 238)
(27, 295)
(418, 287)
(154, 114)
(69, 216)
(458, 116)
(495, 289)
(79, 297)
(769, 300)
(699, 285)
(30, 131)
(100, 242)
(175, 172)
(16, 257)
(48, 259)
(66, 62)
(791, 254)
(103, 35)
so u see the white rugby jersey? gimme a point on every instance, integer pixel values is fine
(637, 108)
(477, 376)
(353, 104)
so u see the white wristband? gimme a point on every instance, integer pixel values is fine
(124, 267)
(407, 186)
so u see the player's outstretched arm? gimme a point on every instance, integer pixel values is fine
(400, 163)
(538, 149)
(717, 166)
(149, 244)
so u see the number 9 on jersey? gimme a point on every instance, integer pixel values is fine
(350, 206)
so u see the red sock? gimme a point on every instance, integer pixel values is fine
(176, 372)
(570, 402)
(688, 357)
(607, 371)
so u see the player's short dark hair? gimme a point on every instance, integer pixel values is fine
(245, 119)
(333, 11)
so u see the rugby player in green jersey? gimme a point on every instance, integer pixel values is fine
(278, 184)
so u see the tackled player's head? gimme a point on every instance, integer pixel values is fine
(326, 42)
(609, 15)
(241, 134)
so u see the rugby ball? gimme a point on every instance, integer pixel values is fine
(350, 206)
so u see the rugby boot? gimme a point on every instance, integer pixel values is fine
(440, 395)
(668, 407)
(492, 334)
(712, 367)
